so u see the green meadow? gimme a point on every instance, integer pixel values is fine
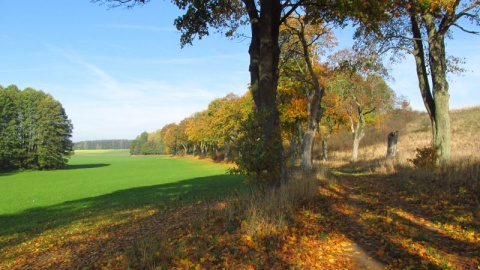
(101, 182)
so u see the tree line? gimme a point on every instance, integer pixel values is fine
(416, 27)
(223, 131)
(102, 144)
(35, 132)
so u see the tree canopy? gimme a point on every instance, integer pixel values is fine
(35, 131)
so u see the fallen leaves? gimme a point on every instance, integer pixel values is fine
(395, 229)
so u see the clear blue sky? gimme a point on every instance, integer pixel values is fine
(120, 72)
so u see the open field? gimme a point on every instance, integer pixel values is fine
(101, 187)
(95, 173)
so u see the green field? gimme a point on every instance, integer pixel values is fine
(103, 181)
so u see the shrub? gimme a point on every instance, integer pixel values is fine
(425, 158)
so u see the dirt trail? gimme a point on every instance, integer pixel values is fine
(393, 224)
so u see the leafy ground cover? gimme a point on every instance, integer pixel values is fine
(356, 220)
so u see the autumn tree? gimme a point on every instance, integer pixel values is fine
(303, 44)
(224, 116)
(292, 105)
(264, 18)
(197, 132)
(365, 94)
(171, 136)
(419, 28)
(333, 117)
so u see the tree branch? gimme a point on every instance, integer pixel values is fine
(466, 30)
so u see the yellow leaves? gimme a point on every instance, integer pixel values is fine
(247, 241)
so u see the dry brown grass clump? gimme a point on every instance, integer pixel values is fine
(274, 208)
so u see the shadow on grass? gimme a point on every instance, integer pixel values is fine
(69, 167)
(86, 166)
(19, 227)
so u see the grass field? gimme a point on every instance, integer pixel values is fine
(104, 181)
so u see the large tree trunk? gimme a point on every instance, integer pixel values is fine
(264, 58)
(441, 97)
(442, 129)
(436, 99)
(307, 148)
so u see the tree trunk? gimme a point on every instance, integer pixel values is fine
(422, 73)
(436, 99)
(442, 129)
(392, 144)
(358, 130)
(356, 143)
(227, 151)
(307, 148)
(264, 58)
(441, 97)
(185, 149)
(314, 111)
(325, 149)
(293, 147)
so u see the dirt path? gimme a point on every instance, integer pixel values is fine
(398, 224)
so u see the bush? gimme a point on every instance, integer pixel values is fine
(425, 158)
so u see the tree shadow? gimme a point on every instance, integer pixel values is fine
(397, 228)
(86, 166)
(20, 227)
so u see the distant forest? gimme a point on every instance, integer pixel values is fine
(102, 144)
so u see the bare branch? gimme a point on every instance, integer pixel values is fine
(466, 30)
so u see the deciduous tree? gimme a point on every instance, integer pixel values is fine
(366, 97)
(304, 43)
(35, 130)
(419, 28)
(264, 18)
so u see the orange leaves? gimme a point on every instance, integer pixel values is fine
(390, 221)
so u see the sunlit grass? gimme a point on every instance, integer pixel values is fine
(96, 173)
(98, 183)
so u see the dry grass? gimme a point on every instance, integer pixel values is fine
(415, 132)
(274, 208)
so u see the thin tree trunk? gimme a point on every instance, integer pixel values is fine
(227, 151)
(325, 149)
(358, 129)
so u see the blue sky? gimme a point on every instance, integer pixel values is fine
(120, 72)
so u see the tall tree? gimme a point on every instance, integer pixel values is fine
(35, 130)
(10, 141)
(304, 43)
(264, 18)
(419, 28)
(366, 97)
(333, 117)
(171, 136)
